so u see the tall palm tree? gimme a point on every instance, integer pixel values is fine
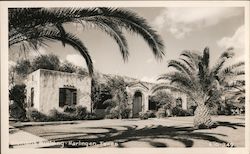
(204, 85)
(33, 26)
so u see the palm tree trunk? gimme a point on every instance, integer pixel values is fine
(202, 118)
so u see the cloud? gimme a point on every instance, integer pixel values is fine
(76, 59)
(182, 21)
(32, 53)
(236, 41)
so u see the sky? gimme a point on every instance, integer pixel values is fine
(180, 28)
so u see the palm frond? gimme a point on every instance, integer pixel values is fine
(114, 16)
(180, 66)
(229, 69)
(205, 57)
(235, 84)
(227, 54)
(224, 56)
(113, 30)
(136, 24)
(191, 56)
(164, 86)
(188, 63)
(74, 42)
(165, 76)
(23, 22)
(178, 78)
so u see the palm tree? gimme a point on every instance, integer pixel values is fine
(204, 85)
(236, 90)
(234, 94)
(119, 100)
(31, 27)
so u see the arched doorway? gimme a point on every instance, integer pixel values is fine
(137, 104)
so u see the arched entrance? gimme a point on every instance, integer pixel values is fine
(137, 103)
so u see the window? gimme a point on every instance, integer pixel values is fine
(67, 96)
(32, 97)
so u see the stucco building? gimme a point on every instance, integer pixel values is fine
(139, 93)
(47, 89)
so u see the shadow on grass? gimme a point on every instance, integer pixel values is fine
(183, 135)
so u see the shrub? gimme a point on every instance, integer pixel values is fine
(17, 112)
(113, 113)
(34, 115)
(151, 114)
(73, 113)
(143, 115)
(80, 112)
(17, 109)
(69, 109)
(125, 113)
(161, 113)
(55, 115)
(180, 112)
(91, 116)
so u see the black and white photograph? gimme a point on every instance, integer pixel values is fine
(112, 76)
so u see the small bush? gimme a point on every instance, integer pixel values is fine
(143, 115)
(69, 109)
(71, 113)
(91, 116)
(180, 112)
(125, 113)
(161, 113)
(34, 115)
(17, 112)
(80, 112)
(113, 113)
(55, 115)
(151, 114)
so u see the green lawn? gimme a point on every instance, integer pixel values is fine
(169, 132)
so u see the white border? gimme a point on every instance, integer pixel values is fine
(4, 72)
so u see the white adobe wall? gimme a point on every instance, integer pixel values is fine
(32, 81)
(48, 85)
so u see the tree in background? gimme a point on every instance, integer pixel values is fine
(23, 67)
(50, 62)
(118, 104)
(162, 99)
(100, 92)
(68, 67)
(17, 95)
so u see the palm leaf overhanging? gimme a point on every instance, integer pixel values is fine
(33, 26)
(204, 85)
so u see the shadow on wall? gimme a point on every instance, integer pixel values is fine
(184, 135)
